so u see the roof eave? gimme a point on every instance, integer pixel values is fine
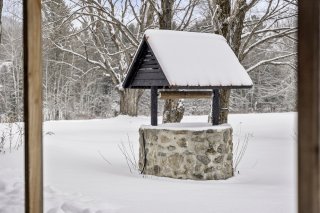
(126, 82)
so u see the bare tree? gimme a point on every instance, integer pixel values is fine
(110, 33)
(108, 38)
(11, 72)
(93, 41)
(247, 29)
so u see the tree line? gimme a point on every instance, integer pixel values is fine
(89, 44)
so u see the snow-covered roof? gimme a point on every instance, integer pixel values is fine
(195, 59)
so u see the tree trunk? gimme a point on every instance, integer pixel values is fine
(173, 109)
(129, 99)
(224, 15)
(1, 6)
(224, 105)
(232, 32)
(225, 7)
(165, 19)
(237, 26)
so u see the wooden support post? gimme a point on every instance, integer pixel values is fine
(215, 107)
(33, 106)
(154, 106)
(308, 107)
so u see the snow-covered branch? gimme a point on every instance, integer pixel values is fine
(244, 52)
(271, 60)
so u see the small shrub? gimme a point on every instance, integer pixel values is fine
(129, 154)
(11, 136)
(240, 145)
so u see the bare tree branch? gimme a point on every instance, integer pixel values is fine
(271, 60)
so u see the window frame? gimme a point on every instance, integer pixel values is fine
(308, 106)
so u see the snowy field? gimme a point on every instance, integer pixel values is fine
(85, 171)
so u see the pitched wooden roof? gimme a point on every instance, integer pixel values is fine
(175, 59)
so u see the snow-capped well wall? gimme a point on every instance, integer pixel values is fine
(197, 151)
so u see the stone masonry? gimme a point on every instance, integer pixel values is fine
(203, 154)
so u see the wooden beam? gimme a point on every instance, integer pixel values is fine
(215, 107)
(185, 94)
(154, 106)
(33, 106)
(308, 107)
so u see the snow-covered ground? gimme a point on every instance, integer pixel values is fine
(85, 171)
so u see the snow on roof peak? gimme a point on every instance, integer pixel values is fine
(152, 32)
(196, 59)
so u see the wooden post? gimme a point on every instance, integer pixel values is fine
(33, 106)
(308, 107)
(215, 107)
(154, 106)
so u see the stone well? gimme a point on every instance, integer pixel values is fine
(197, 151)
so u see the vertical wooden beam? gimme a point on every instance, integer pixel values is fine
(308, 107)
(33, 106)
(215, 107)
(154, 106)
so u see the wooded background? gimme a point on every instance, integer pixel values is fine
(89, 44)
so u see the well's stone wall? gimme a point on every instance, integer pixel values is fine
(186, 153)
